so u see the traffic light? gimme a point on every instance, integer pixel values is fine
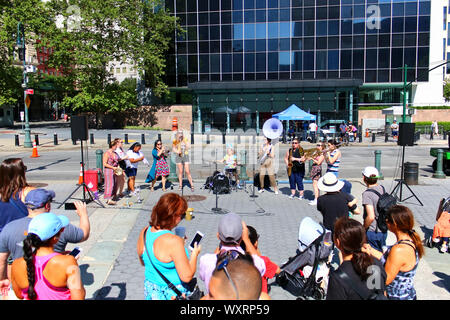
(22, 53)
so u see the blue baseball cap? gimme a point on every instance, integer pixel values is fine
(37, 198)
(47, 224)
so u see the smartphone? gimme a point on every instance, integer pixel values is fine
(197, 238)
(69, 206)
(76, 252)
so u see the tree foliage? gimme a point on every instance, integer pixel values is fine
(447, 90)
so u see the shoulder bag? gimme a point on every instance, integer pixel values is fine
(195, 294)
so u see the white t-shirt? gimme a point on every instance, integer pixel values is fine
(313, 126)
(133, 155)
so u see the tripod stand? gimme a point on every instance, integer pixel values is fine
(83, 184)
(216, 209)
(402, 182)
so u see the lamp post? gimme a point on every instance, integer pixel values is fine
(21, 47)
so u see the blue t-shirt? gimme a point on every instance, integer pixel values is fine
(12, 236)
(11, 210)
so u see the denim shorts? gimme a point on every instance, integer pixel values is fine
(131, 172)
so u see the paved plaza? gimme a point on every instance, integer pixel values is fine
(109, 263)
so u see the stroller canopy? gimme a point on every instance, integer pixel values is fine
(308, 232)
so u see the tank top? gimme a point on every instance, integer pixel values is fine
(402, 287)
(44, 289)
(166, 268)
(335, 166)
(297, 166)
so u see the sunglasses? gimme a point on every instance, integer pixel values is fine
(223, 266)
(294, 142)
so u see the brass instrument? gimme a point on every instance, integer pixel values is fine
(289, 169)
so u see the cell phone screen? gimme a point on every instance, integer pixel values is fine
(75, 252)
(198, 236)
(69, 206)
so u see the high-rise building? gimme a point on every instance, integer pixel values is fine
(243, 60)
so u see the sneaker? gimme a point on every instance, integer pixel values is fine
(429, 242)
(301, 197)
(276, 192)
(291, 196)
(239, 186)
(313, 202)
(443, 248)
(261, 190)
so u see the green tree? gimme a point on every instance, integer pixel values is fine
(94, 34)
(447, 90)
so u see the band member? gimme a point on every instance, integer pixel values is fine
(230, 161)
(333, 157)
(316, 171)
(180, 147)
(160, 167)
(295, 162)
(266, 156)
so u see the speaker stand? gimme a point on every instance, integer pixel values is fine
(253, 195)
(83, 184)
(401, 182)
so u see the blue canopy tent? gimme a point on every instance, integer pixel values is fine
(294, 113)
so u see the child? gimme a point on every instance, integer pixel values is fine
(441, 230)
(230, 161)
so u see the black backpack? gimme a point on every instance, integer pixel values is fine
(385, 202)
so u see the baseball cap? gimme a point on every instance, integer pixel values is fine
(230, 228)
(47, 224)
(37, 198)
(370, 172)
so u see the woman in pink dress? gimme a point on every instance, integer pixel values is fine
(110, 167)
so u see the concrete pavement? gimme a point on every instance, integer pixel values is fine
(109, 263)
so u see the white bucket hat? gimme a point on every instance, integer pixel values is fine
(329, 183)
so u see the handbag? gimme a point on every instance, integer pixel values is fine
(293, 283)
(192, 286)
(373, 295)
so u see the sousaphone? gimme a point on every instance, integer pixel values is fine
(272, 129)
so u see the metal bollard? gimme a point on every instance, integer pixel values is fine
(126, 138)
(223, 138)
(159, 137)
(74, 142)
(36, 138)
(17, 140)
(439, 173)
(359, 136)
(373, 137)
(173, 169)
(142, 138)
(192, 137)
(378, 163)
(92, 138)
(207, 139)
(310, 164)
(109, 139)
(99, 159)
(55, 139)
(243, 171)
(386, 137)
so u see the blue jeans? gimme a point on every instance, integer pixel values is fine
(377, 240)
(296, 180)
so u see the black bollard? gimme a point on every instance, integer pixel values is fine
(192, 138)
(386, 137)
(17, 140)
(36, 138)
(109, 138)
(207, 139)
(142, 138)
(223, 138)
(159, 137)
(74, 142)
(92, 138)
(373, 136)
(55, 139)
(126, 138)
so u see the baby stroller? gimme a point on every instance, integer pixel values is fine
(304, 274)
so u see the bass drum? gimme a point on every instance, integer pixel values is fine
(221, 184)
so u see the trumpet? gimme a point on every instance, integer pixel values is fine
(313, 152)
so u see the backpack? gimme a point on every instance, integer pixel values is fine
(385, 202)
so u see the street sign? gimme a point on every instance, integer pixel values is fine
(29, 91)
(27, 101)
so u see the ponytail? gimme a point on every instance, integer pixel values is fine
(31, 241)
(361, 262)
(417, 242)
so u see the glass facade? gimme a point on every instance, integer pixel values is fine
(278, 40)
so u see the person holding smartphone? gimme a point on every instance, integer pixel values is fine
(42, 273)
(159, 249)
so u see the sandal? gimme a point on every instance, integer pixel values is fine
(111, 202)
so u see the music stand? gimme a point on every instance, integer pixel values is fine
(83, 184)
(402, 182)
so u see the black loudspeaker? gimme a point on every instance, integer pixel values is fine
(406, 134)
(79, 128)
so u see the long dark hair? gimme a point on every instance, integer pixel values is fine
(30, 242)
(352, 236)
(12, 178)
(134, 145)
(402, 218)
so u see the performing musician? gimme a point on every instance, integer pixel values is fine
(266, 156)
(181, 146)
(333, 157)
(295, 162)
(230, 161)
(316, 170)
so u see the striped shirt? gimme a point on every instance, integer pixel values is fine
(334, 167)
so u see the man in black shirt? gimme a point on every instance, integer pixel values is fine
(334, 203)
(295, 162)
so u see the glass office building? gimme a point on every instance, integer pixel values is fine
(243, 60)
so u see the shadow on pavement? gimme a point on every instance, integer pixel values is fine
(102, 293)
